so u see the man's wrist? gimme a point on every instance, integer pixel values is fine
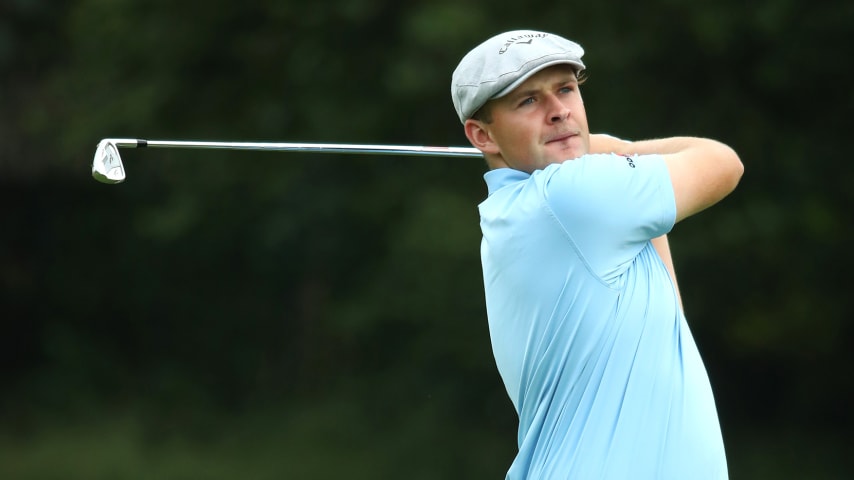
(607, 143)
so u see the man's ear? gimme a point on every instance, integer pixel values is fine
(478, 134)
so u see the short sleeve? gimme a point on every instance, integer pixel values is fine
(611, 206)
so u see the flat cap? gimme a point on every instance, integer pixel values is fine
(497, 66)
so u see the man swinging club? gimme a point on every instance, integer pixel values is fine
(585, 318)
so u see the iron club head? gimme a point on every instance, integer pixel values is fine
(107, 166)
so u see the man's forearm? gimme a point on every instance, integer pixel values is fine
(604, 143)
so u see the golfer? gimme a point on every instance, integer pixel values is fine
(585, 317)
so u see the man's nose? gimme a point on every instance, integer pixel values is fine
(558, 111)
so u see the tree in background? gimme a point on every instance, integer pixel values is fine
(326, 313)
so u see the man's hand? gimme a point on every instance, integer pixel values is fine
(604, 143)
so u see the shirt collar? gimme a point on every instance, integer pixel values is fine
(500, 177)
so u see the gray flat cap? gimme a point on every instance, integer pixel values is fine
(497, 66)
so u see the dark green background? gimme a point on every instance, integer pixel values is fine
(261, 315)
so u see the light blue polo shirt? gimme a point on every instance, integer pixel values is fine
(586, 327)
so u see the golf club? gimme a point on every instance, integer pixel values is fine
(107, 166)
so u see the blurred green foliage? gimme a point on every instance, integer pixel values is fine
(268, 315)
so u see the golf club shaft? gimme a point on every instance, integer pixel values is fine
(302, 147)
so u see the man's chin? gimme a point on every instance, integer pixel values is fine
(560, 155)
(566, 148)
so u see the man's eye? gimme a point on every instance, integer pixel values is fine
(527, 101)
(566, 90)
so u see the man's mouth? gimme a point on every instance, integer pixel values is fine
(561, 137)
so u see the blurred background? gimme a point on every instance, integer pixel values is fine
(266, 315)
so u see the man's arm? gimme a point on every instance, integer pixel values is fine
(702, 171)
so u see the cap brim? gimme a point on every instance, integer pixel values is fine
(519, 81)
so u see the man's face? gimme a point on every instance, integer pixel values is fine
(541, 122)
